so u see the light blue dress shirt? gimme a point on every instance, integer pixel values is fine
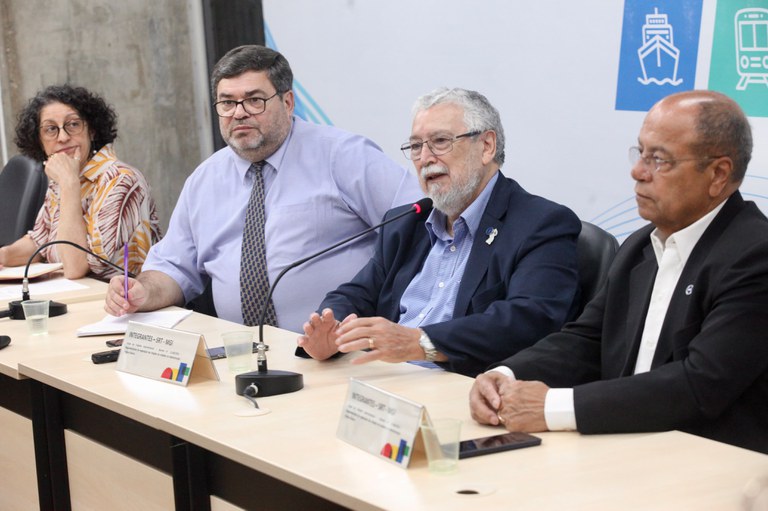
(431, 296)
(322, 185)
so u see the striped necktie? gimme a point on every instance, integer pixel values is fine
(254, 281)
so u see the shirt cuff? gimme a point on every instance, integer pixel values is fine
(559, 411)
(506, 371)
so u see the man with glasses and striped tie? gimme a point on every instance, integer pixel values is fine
(281, 189)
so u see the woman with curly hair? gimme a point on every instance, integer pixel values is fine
(93, 199)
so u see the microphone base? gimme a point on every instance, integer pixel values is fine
(270, 383)
(54, 309)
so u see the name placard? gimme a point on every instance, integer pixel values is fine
(165, 354)
(380, 422)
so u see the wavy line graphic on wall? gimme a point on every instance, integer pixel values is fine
(306, 107)
(622, 219)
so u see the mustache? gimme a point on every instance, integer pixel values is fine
(432, 171)
(235, 124)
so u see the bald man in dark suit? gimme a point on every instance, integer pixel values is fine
(678, 336)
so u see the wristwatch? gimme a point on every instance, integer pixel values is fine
(430, 352)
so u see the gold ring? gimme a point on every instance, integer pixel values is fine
(371, 345)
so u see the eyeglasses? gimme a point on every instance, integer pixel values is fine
(253, 106)
(660, 164)
(438, 145)
(72, 127)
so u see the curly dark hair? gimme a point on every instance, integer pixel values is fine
(100, 117)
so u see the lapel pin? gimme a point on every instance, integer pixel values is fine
(689, 289)
(491, 232)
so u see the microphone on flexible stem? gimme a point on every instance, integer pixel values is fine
(266, 382)
(16, 311)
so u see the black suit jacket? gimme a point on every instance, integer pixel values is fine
(515, 290)
(709, 375)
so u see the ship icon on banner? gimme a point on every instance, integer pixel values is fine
(659, 57)
(659, 50)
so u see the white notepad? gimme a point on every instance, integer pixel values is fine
(35, 270)
(44, 287)
(114, 325)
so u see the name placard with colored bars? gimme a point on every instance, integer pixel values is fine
(381, 423)
(165, 354)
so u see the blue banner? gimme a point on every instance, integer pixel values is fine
(659, 48)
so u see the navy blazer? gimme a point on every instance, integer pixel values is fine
(513, 292)
(709, 375)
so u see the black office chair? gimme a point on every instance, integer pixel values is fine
(22, 191)
(596, 249)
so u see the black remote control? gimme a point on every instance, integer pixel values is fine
(103, 357)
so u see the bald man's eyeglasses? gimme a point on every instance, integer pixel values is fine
(657, 164)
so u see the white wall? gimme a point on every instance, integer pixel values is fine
(549, 67)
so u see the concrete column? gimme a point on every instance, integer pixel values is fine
(145, 57)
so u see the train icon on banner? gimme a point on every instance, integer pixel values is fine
(659, 57)
(752, 46)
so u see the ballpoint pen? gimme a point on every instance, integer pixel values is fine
(125, 269)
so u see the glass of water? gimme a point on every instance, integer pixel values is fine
(36, 314)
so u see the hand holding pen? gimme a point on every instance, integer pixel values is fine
(118, 302)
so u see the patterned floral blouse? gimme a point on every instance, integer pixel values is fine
(117, 208)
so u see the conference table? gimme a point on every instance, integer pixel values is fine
(119, 441)
(18, 483)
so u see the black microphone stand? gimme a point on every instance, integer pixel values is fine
(15, 309)
(266, 382)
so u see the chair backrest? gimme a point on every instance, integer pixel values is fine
(204, 303)
(596, 249)
(22, 191)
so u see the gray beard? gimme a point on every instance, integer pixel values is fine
(458, 197)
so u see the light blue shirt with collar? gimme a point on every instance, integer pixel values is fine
(322, 185)
(431, 296)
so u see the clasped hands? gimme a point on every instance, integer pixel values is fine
(324, 336)
(499, 399)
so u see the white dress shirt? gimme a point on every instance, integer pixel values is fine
(671, 256)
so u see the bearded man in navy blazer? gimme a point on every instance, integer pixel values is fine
(677, 338)
(488, 272)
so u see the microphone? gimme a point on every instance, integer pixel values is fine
(265, 382)
(16, 311)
